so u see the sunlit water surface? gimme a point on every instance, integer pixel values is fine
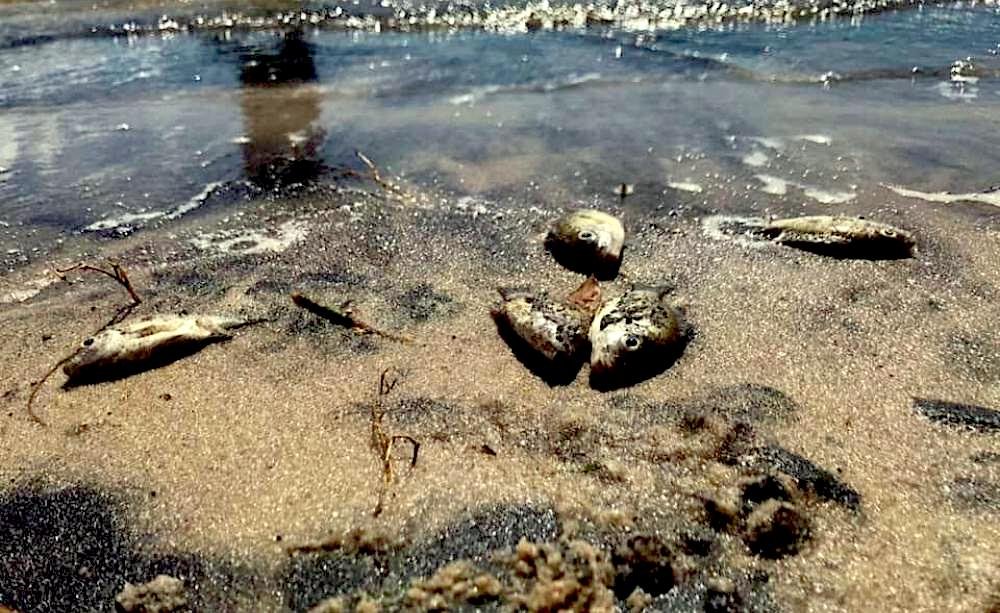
(112, 135)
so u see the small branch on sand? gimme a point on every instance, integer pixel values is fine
(117, 272)
(120, 275)
(344, 316)
(377, 176)
(381, 442)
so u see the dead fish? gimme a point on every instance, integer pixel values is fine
(633, 335)
(555, 330)
(587, 241)
(122, 350)
(841, 236)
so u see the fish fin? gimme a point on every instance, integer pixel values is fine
(587, 297)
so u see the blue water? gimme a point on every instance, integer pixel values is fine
(97, 126)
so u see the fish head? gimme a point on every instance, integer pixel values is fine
(902, 237)
(615, 348)
(94, 351)
(588, 241)
(596, 238)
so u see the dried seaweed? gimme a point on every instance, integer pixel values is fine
(344, 316)
(381, 442)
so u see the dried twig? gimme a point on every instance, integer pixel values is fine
(117, 272)
(377, 176)
(344, 316)
(120, 275)
(381, 442)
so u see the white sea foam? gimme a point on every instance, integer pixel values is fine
(770, 142)
(819, 139)
(773, 185)
(991, 197)
(779, 187)
(130, 221)
(756, 158)
(957, 91)
(694, 188)
(253, 240)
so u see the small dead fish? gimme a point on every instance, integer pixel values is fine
(633, 331)
(841, 236)
(587, 241)
(129, 348)
(556, 330)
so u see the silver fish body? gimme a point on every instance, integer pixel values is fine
(841, 236)
(127, 348)
(588, 241)
(555, 331)
(634, 332)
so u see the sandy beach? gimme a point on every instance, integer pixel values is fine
(211, 468)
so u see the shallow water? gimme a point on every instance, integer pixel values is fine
(116, 133)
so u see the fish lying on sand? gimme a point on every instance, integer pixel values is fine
(635, 334)
(841, 236)
(128, 348)
(835, 236)
(554, 329)
(587, 241)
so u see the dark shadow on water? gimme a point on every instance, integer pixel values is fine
(641, 367)
(551, 372)
(281, 107)
(159, 359)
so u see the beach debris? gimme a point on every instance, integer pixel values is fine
(376, 176)
(117, 272)
(835, 236)
(122, 350)
(164, 594)
(841, 236)
(969, 416)
(632, 334)
(989, 196)
(383, 443)
(344, 316)
(587, 241)
(554, 329)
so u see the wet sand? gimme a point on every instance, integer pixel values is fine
(210, 467)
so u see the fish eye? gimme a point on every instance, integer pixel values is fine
(587, 235)
(88, 342)
(889, 233)
(632, 342)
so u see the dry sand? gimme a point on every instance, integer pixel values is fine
(209, 467)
